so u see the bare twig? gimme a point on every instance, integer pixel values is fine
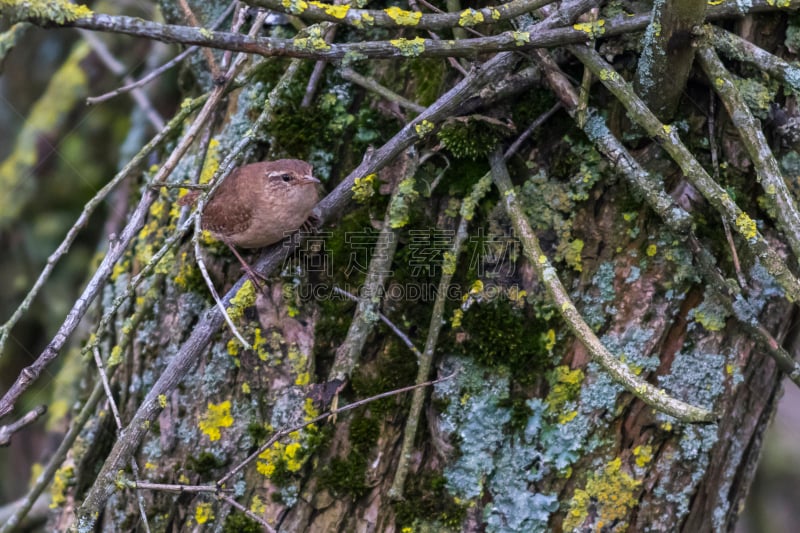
(155, 73)
(372, 85)
(118, 68)
(7, 431)
(324, 416)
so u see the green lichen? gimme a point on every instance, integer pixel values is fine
(400, 210)
(470, 17)
(711, 314)
(758, 96)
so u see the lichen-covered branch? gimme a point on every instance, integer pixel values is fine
(66, 91)
(425, 362)
(648, 393)
(380, 266)
(734, 47)
(668, 54)
(780, 203)
(677, 219)
(667, 136)
(395, 17)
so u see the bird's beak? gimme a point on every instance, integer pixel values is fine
(310, 179)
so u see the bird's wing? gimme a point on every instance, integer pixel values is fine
(226, 213)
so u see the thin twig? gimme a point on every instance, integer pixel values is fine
(7, 431)
(343, 409)
(397, 331)
(372, 85)
(155, 73)
(119, 69)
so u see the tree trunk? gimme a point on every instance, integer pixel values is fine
(526, 431)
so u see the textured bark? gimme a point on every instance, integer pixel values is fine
(528, 434)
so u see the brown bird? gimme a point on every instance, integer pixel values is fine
(261, 203)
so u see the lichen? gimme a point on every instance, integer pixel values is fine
(403, 17)
(57, 11)
(217, 416)
(470, 17)
(331, 10)
(611, 493)
(409, 47)
(245, 297)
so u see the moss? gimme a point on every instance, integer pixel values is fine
(240, 523)
(471, 137)
(204, 464)
(393, 368)
(498, 333)
(427, 500)
(758, 96)
(428, 75)
(348, 475)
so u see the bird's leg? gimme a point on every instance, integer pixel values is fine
(257, 279)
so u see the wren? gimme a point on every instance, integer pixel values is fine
(261, 203)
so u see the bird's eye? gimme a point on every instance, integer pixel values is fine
(286, 178)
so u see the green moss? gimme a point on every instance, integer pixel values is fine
(427, 501)
(347, 475)
(498, 333)
(204, 464)
(758, 96)
(471, 137)
(428, 75)
(394, 367)
(257, 431)
(240, 523)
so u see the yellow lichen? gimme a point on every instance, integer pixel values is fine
(612, 494)
(424, 127)
(257, 506)
(652, 250)
(409, 47)
(364, 188)
(61, 480)
(403, 17)
(551, 339)
(470, 17)
(216, 416)
(295, 6)
(592, 29)
(246, 388)
(521, 37)
(746, 226)
(314, 42)
(58, 11)
(331, 10)
(643, 454)
(495, 13)
(162, 400)
(203, 513)
(245, 297)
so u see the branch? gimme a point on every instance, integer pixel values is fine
(781, 205)
(395, 17)
(619, 371)
(678, 220)
(668, 138)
